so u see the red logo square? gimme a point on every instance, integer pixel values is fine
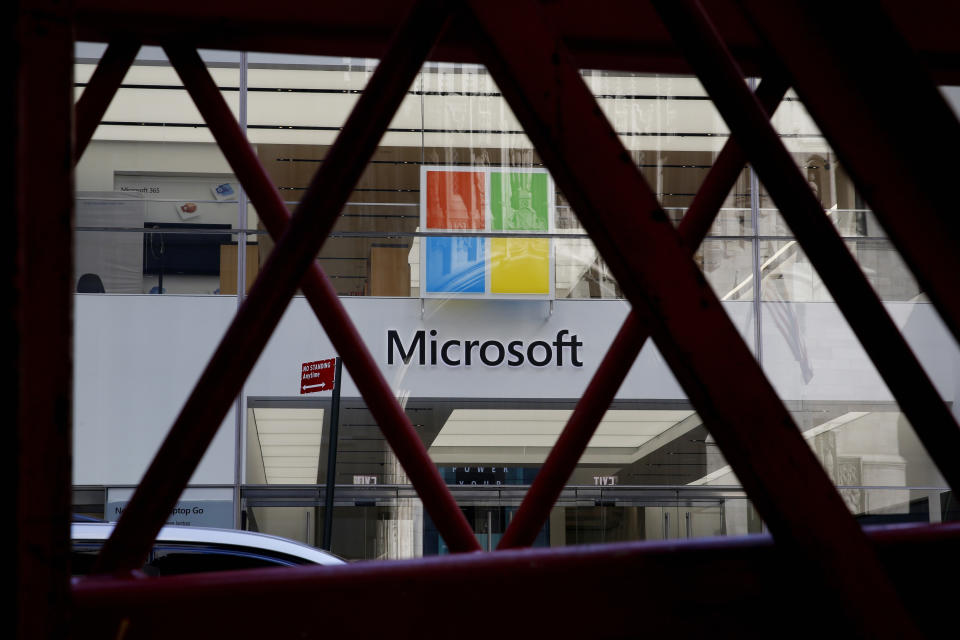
(455, 200)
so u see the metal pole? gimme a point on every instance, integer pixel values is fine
(242, 194)
(489, 530)
(755, 257)
(240, 422)
(332, 458)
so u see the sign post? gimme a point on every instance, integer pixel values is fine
(331, 457)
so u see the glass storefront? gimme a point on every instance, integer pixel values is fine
(648, 473)
(457, 240)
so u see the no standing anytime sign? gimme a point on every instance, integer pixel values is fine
(317, 376)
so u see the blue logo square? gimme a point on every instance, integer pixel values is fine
(455, 265)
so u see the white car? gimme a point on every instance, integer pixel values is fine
(179, 550)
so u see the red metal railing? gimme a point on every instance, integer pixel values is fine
(740, 587)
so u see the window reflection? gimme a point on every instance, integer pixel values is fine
(159, 212)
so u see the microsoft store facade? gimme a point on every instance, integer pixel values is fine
(481, 298)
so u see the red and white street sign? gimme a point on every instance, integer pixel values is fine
(317, 376)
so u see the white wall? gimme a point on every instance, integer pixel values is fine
(137, 357)
(95, 170)
(135, 360)
(810, 352)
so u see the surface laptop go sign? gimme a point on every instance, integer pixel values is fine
(317, 376)
(477, 200)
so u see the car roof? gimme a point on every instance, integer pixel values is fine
(100, 531)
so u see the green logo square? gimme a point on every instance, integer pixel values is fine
(518, 201)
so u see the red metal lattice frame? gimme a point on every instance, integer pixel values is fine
(749, 423)
(540, 81)
(856, 299)
(729, 587)
(626, 346)
(293, 255)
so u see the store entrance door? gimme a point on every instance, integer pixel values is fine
(488, 523)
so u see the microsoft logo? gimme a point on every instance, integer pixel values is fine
(474, 200)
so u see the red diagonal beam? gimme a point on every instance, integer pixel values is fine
(236, 354)
(752, 427)
(869, 320)
(320, 293)
(100, 90)
(626, 346)
(897, 141)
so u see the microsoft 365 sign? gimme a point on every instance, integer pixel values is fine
(492, 353)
